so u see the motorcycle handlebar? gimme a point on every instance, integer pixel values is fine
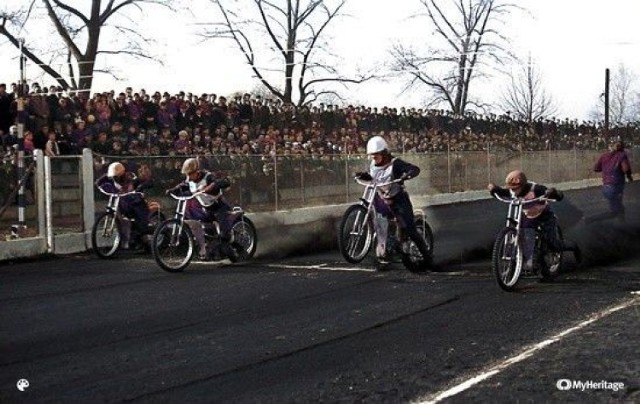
(522, 201)
(187, 197)
(119, 194)
(373, 183)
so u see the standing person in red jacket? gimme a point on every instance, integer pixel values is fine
(614, 166)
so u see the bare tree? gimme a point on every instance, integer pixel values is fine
(73, 63)
(469, 36)
(292, 32)
(624, 98)
(526, 98)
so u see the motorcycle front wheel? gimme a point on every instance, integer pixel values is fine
(356, 234)
(507, 259)
(106, 235)
(173, 245)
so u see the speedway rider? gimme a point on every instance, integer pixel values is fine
(392, 200)
(119, 180)
(535, 214)
(207, 206)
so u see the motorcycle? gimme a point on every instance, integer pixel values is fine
(112, 229)
(174, 244)
(357, 234)
(507, 258)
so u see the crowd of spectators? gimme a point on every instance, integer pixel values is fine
(137, 123)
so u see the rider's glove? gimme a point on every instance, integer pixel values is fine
(405, 177)
(364, 176)
(629, 177)
(553, 193)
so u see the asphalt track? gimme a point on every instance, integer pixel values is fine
(314, 329)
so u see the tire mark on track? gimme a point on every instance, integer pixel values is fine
(275, 358)
(265, 309)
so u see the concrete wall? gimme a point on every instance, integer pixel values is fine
(464, 224)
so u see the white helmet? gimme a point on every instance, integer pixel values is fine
(115, 170)
(376, 144)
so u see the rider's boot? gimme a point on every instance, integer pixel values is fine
(227, 249)
(382, 263)
(126, 234)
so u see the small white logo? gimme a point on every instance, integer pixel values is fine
(582, 385)
(22, 384)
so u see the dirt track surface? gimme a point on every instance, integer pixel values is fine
(309, 328)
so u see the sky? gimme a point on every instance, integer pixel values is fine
(571, 42)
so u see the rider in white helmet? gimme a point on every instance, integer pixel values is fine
(392, 200)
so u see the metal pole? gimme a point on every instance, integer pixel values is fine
(302, 187)
(48, 203)
(606, 104)
(346, 177)
(449, 165)
(488, 162)
(38, 156)
(275, 180)
(549, 164)
(575, 161)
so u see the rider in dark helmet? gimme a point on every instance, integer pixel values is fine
(392, 200)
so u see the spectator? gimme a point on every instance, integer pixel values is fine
(614, 166)
(52, 148)
(6, 116)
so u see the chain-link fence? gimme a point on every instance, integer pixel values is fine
(282, 182)
(271, 183)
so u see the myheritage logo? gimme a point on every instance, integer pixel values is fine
(567, 384)
(564, 384)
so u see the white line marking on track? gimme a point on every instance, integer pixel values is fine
(527, 352)
(320, 266)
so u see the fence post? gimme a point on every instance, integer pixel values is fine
(488, 163)
(275, 180)
(38, 155)
(449, 166)
(575, 162)
(48, 202)
(302, 187)
(346, 178)
(521, 156)
(549, 164)
(86, 184)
